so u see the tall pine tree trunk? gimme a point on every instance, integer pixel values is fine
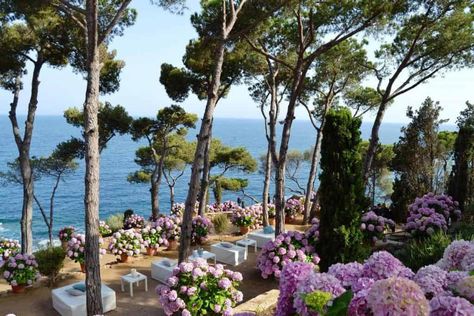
(203, 138)
(92, 159)
(266, 185)
(24, 145)
(171, 196)
(309, 199)
(204, 187)
(154, 191)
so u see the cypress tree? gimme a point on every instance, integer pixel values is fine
(341, 190)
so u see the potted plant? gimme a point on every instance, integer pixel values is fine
(293, 207)
(243, 218)
(126, 243)
(200, 230)
(171, 230)
(196, 288)
(104, 229)
(65, 234)
(134, 221)
(76, 249)
(151, 239)
(19, 271)
(9, 247)
(271, 214)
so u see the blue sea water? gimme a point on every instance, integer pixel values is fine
(117, 161)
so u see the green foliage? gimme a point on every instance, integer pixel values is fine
(461, 179)
(341, 190)
(113, 120)
(463, 230)
(417, 253)
(221, 183)
(340, 305)
(221, 223)
(50, 261)
(416, 153)
(115, 222)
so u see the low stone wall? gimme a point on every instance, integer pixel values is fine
(262, 305)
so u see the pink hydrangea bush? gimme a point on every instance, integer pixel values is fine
(21, 269)
(291, 274)
(197, 288)
(432, 280)
(65, 234)
(373, 226)
(457, 256)
(152, 237)
(243, 217)
(104, 229)
(134, 221)
(127, 242)
(315, 281)
(201, 227)
(397, 296)
(170, 226)
(381, 265)
(431, 213)
(444, 305)
(287, 247)
(293, 207)
(76, 248)
(9, 247)
(347, 273)
(313, 232)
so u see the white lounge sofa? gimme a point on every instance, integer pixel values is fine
(260, 237)
(162, 269)
(68, 305)
(229, 253)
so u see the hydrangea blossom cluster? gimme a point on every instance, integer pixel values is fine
(458, 256)
(170, 226)
(76, 248)
(315, 281)
(177, 209)
(381, 265)
(448, 305)
(287, 247)
(126, 242)
(271, 208)
(313, 232)
(397, 296)
(152, 237)
(432, 212)
(293, 207)
(65, 234)
(290, 276)
(9, 247)
(432, 280)
(134, 221)
(465, 288)
(347, 273)
(200, 229)
(243, 217)
(196, 288)
(21, 269)
(373, 226)
(104, 229)
(228, 206)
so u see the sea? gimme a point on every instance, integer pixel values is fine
(117, 161)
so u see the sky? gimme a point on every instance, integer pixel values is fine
(159, 37)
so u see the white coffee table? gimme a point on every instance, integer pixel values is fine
(206, 255)
(128, 278)
(246, 242)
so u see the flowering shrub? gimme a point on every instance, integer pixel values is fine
(293, 207)
(430, 213)
(9, 247)
(197, 288)
(127, 242)
(134, 221)
(447, 305)
(170, 227)
(177, 209)
(104, 229)
(454, 255)
(316, 281)
(152, 237)
(65, 234)
(287, 247)
(432, 280)
(313, 232)
(271, 210)
(381, 265)
(465, 288)
(290, 275)
(201, 227)
(76, 248)
(397, 296)
(20, 269)
(347, 274)
(243, 217)
(373, 226)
